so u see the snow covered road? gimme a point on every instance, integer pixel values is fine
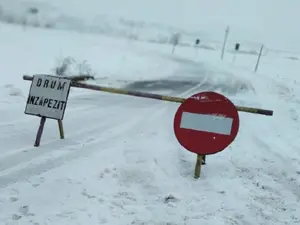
(100, 118)
(120, 163)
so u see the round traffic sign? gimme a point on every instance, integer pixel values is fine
(206, 123)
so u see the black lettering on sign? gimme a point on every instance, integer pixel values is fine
(30, 100)
(63, 103)
(58, 104)
(41, 101)
(46, 102)
(39, 82)
(46, 83)
(55, 104)
(61, 86)
(53, 83)
(36, 100)
(50, 103)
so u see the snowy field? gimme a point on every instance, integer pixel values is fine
(120, 162)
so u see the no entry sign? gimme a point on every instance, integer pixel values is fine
(206, 123)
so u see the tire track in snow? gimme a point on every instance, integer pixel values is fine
(28, 118)
(86, 111)
(24, 164)
(145, 166)
(82, 110)
(23, 155)
(147, 127)
(14, 126)
(21, 158)
(91, 145)
(78, 113)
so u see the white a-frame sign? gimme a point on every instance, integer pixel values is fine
(48, 97)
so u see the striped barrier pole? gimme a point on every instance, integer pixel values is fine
(152, 96)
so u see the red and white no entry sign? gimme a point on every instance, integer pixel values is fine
(206, 123)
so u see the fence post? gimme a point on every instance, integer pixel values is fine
(224, 43)
(258, 59)
(175, 41)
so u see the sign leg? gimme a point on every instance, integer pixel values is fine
(204, 160)
(198, 166)
(40, 132)
(61, 129)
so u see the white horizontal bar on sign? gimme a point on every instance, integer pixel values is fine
(206, 123)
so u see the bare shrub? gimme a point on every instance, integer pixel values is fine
(33, 10)
(68, 67)
(174, 40)
(63, 66)
(84, 68)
